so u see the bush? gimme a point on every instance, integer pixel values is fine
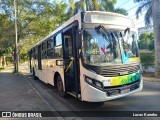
(9, 60)
(147, 59)
(23, 57)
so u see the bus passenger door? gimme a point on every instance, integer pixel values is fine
(70, 63)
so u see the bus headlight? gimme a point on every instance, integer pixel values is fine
(98, 84)
(94, 83)
(88, 80)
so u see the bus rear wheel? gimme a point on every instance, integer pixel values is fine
(60, 89)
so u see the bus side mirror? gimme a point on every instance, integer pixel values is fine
(127, 32)
(79, 40)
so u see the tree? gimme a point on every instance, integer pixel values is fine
(58, 12)
(75, 8)
(36, 19)
(82, 6)
(104, 5)
(92, 5)
(31, 21)
(121, 11)
(5, 38)
(156, 27)
(146, 41)
(108, 5)
(144, 5)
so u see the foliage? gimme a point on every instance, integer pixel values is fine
(146, 41)
(23, 57)
(9, 60)
(147, 58)
(57, 12)
(144, 5)
(121, 11)
(37, 18)
(31, 23)
(108, 5)
(5, 34)
(104, 5)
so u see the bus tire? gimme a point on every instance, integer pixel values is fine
(34, 76)
(60, 89)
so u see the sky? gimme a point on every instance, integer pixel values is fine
(131, 7)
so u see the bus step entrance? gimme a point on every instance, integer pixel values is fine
(74, 94)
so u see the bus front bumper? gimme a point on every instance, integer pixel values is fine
(92, 94)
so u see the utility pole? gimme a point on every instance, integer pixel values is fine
(16, 39)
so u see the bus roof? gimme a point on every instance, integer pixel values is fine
(78, 17)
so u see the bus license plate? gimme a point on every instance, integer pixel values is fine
(126, 90)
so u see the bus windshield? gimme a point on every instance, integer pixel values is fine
(108, 47)
(129, 45)
(100, 47)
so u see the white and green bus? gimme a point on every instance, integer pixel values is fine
(93, 56)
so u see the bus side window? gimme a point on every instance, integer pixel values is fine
(50, 48)
(58, 46)
(36, 53)
(44, 50)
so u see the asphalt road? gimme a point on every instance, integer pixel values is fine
(146, 100)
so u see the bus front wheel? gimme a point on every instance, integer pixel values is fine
(60, 89)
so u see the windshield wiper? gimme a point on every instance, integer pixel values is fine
(112, 39)
(126, 33)
(101, 26)
(105, 31)
(127, 30)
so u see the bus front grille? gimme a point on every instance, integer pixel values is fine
(119, 70)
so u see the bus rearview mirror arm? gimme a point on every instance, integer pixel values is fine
(79, 39)
(127, 31)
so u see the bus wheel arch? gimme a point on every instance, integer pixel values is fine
(56, 75)
(59, 85)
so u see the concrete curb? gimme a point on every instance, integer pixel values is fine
(151, 79)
